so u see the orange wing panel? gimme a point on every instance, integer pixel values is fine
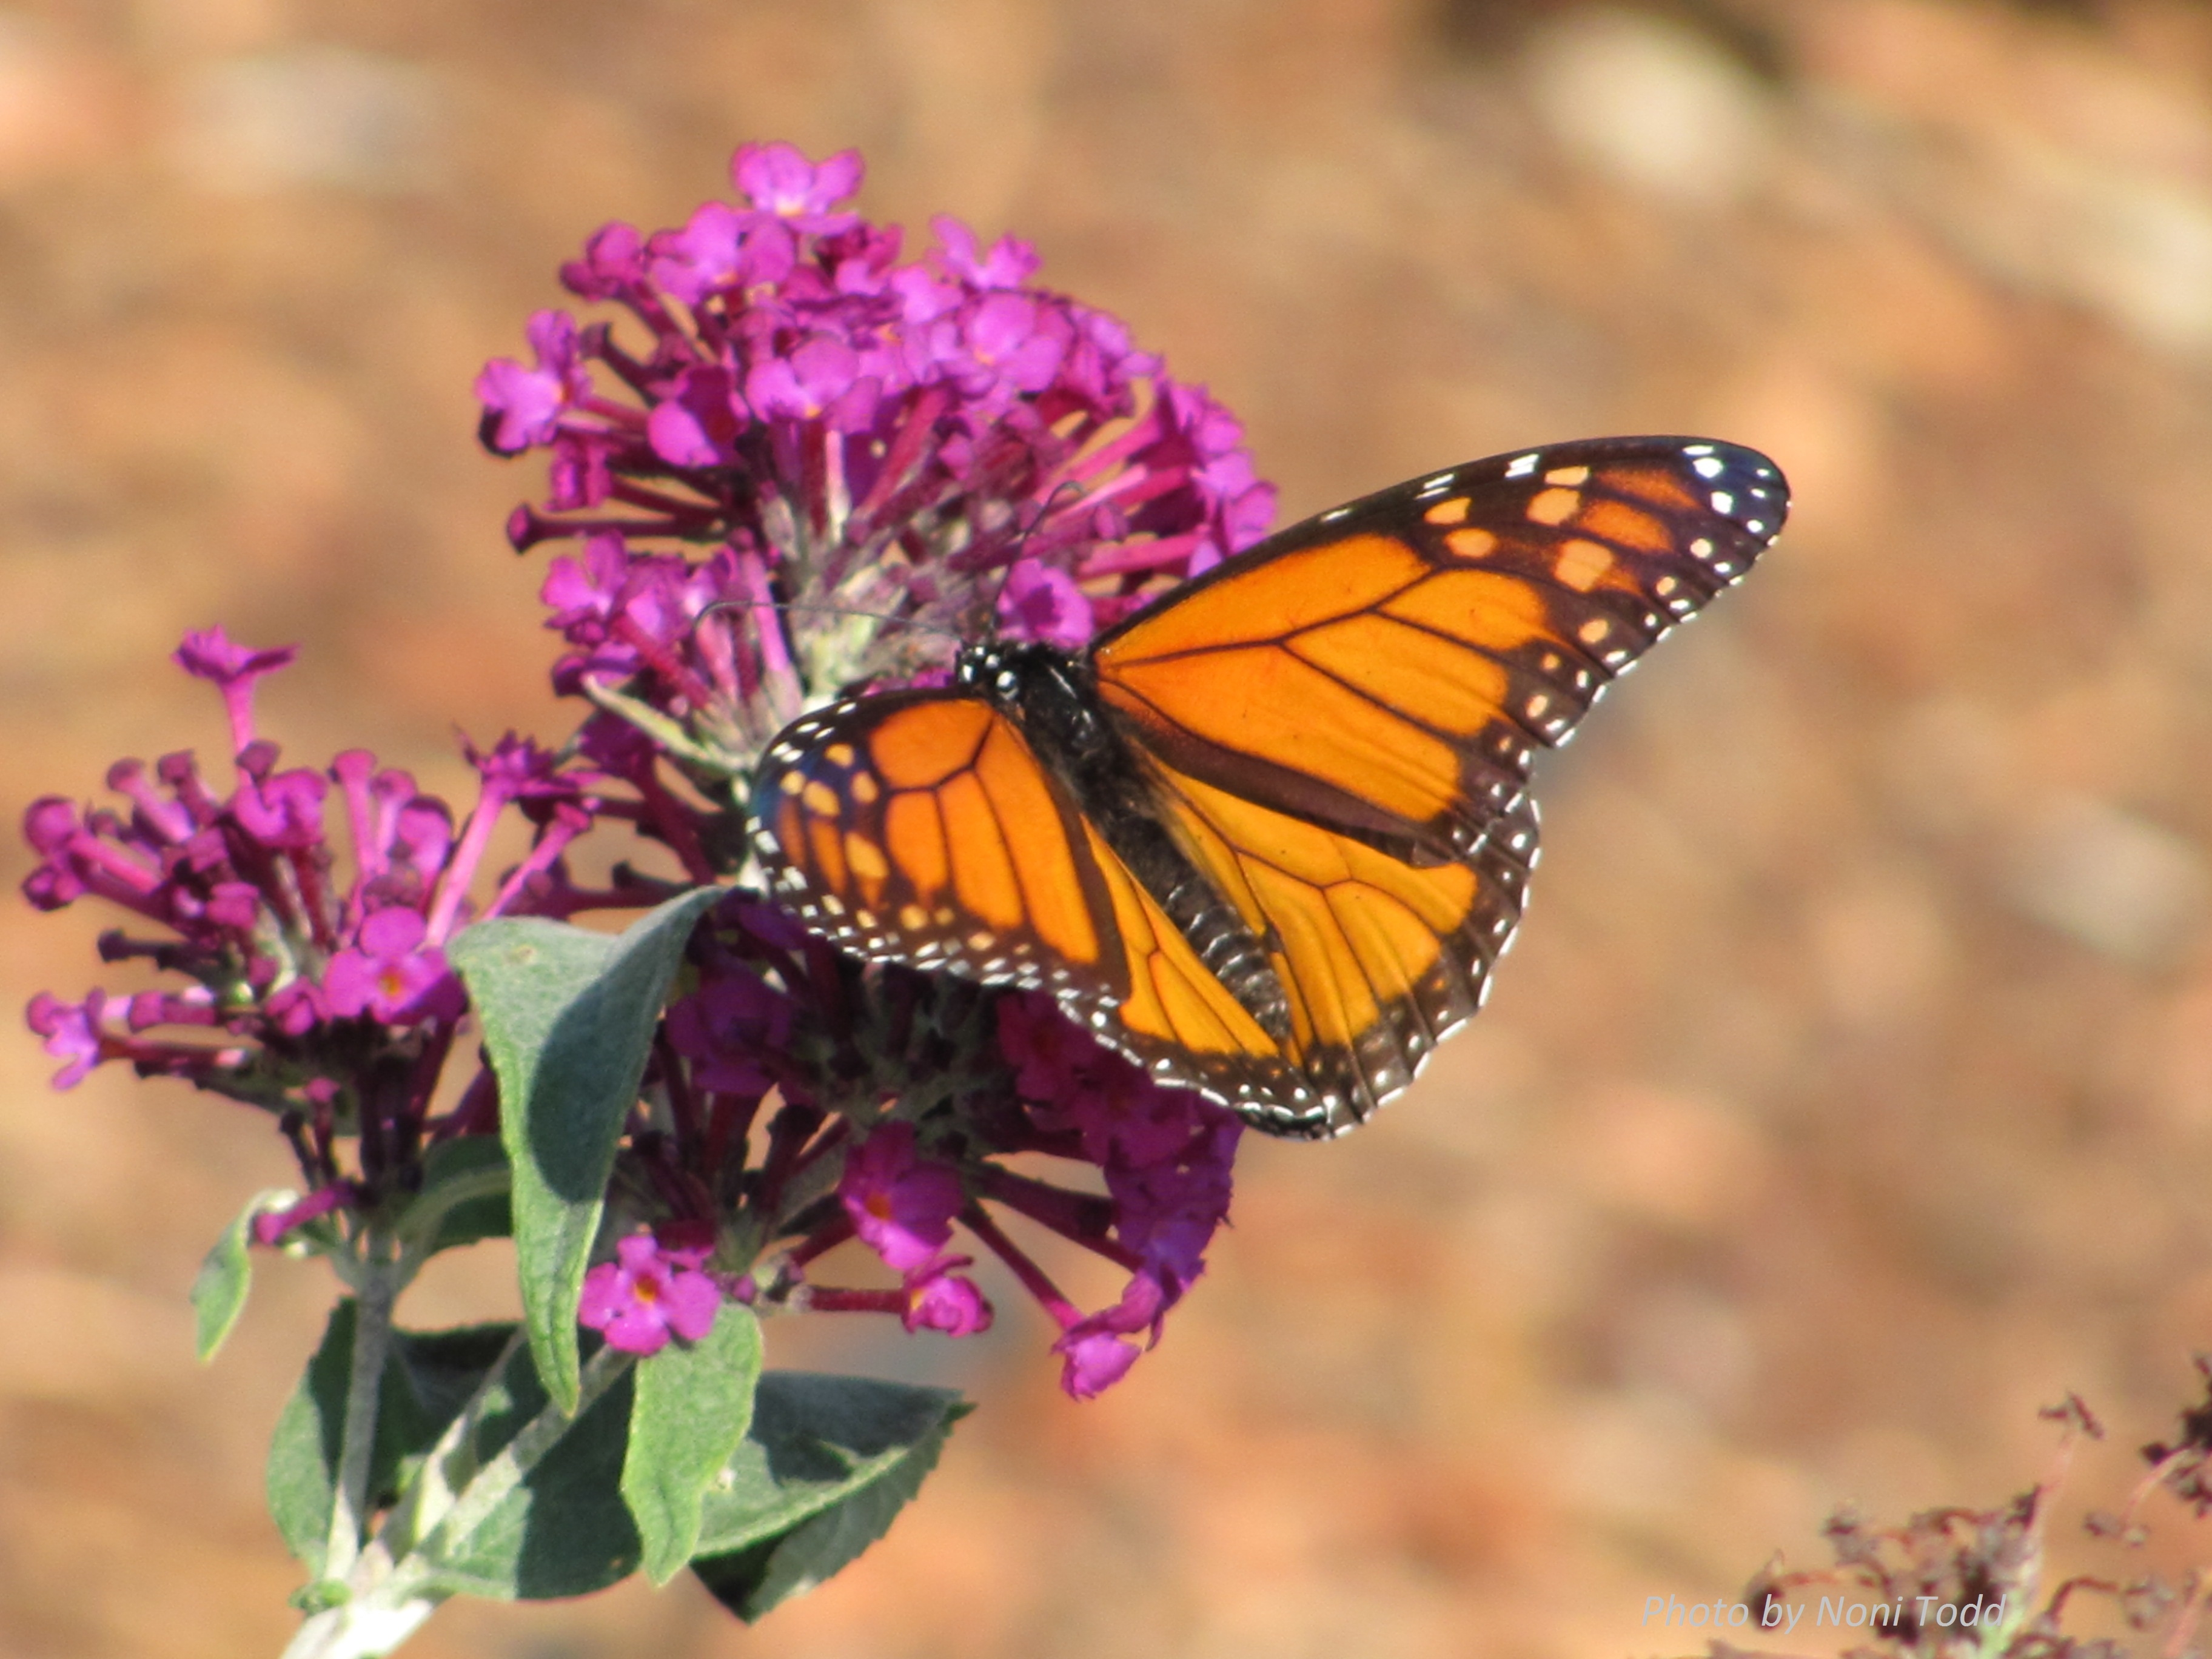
(1172, 997)
(1052, 895)
(983, 869)
(1410, 671)
(1378, 958)
(924, 743)
(1617, 521)
(1485, 608)
(914, 838)
(1270, 599)
(828, 847)
(1338, 1001)
(1661, 486)
(1283, 711)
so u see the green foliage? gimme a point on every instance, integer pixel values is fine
(567, 1017)
(564, 1531)
(226, 1274)
(828, 1463)
(693, 1404)
(464, 1198)
(766, 1491)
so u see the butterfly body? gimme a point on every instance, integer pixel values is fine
(1269, 835)
(1053, 697)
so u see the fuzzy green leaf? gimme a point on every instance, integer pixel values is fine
(693, 1404)
(567, 1017)
(226, 1274)
(428, 1378)
(828, 1461)
(565, 1530)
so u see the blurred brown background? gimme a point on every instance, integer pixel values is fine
(1850, 1095)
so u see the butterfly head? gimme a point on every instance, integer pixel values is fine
(1002, 669)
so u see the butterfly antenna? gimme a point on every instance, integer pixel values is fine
(801, 606)
(1044, 510)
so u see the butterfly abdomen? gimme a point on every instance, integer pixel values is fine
(1053, 698)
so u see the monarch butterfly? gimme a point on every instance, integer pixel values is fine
(1268, 836)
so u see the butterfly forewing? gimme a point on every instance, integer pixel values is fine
(1390, 668)
(919, 826)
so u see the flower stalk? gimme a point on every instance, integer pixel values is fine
(377, 1284)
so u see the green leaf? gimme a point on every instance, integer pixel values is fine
(464, 1198)
(568, 1017)
(565, 1531)
(301, 1478)
(225, 1275)
(427, 1381)
(828, 1463)
(693, 1404)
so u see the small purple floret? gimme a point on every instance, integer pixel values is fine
(938, 1298)
(900, 1204)
(647, 1294)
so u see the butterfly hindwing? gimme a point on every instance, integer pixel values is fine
(1382, 959)
(1390, 668)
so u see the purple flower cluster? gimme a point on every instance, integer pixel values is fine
(818, 468)
(819, 465)
(873, 454)
(884, 1102)
(326, 1000)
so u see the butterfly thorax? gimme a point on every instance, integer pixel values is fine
(1053, 697)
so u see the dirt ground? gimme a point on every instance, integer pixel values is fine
(1849, 1096)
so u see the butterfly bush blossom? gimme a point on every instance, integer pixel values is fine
(326, 1001)
(791, 465)
(795, 464)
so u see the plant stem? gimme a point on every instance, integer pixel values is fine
(366, 1629)
(376, 1289)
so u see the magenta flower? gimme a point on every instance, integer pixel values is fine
(74, 1033)
(939, 1299)
(901, 1205)
(270, 1226)
(523, 406)
(319, 993)
(1097, 1351)
(795, 463)
(780, 180)
(844, 435)
(1041, 603)
(647, 1294)
(233, 668)
(389, 976)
